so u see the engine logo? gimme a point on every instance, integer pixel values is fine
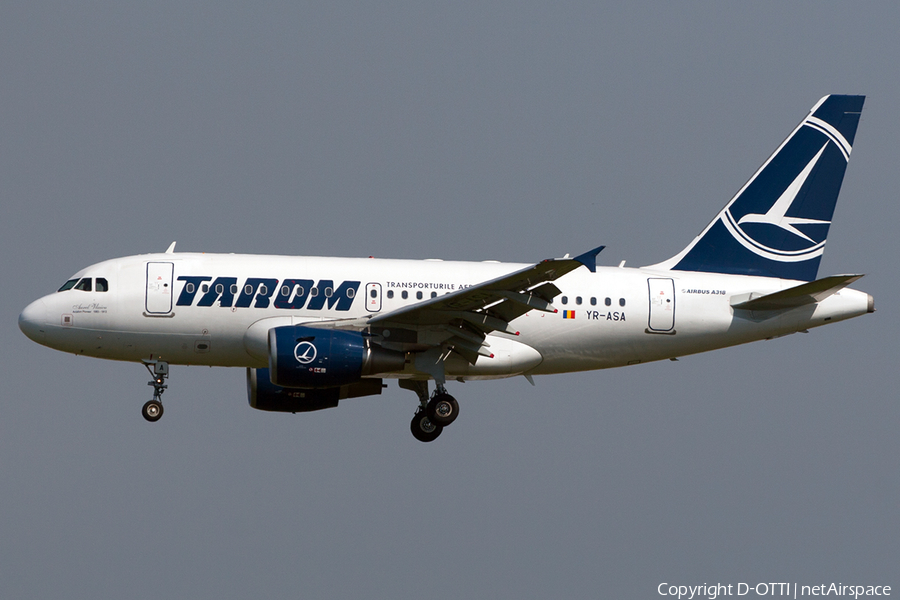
(305, 353)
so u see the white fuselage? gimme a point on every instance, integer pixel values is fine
(610, 318)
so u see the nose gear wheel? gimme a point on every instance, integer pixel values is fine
(152, 411)
(159, 370)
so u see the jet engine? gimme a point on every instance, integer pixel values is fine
(310, 358)
(264, 395)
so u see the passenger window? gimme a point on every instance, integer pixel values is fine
(434, 294)
(248, 289)
(405, 294)
(418, 295)
(285, 290)
(102, 285)
(314, 292)
(190, 288)
(234, 289)
(608, 302)
(204, 288)
(68, 285)
(263, 290)
(373, 293)
(390, 293)
(578, 300)
(593, 302)
(351, 292)
(84, 285)
(220, 289)
(621, 301)
(565, 300)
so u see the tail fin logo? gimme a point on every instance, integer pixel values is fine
(757, 231)
(777, 222)
(777, 214)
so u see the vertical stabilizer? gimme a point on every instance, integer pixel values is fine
(776, 225)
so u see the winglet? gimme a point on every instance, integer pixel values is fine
(589, 258)
(171, 248)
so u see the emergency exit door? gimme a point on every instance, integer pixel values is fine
(373, 297)
(662, 304)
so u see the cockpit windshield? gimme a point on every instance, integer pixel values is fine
(85, 284)
(68, 285)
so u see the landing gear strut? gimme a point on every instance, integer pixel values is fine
(434, 413)
(159, 370)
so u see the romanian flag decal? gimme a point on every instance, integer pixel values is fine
(568, 314)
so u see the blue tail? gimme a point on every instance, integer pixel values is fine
(776, 225)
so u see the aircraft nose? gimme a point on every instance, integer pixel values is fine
(33, 320)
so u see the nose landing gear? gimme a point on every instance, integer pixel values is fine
(159, 370)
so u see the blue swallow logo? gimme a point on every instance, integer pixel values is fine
(305, 353)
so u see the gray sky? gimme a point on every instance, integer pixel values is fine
(514, 131)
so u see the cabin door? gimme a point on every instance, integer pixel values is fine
(158, 300)
(662, 304)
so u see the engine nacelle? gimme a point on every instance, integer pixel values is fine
(306, 357)
(264, 395)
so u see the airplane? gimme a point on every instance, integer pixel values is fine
(312, 332)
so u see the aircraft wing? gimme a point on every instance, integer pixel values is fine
(506, 297)
(467, 315)
(459, 321)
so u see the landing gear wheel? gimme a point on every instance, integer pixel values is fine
(423, 429)
(159, 369)
(153, 410)
(442, 409)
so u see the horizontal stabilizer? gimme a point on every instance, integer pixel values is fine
(807, 293)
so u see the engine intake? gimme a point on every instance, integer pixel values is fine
(306, 357)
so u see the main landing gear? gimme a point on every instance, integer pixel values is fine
(159, 370)
(434, 413)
